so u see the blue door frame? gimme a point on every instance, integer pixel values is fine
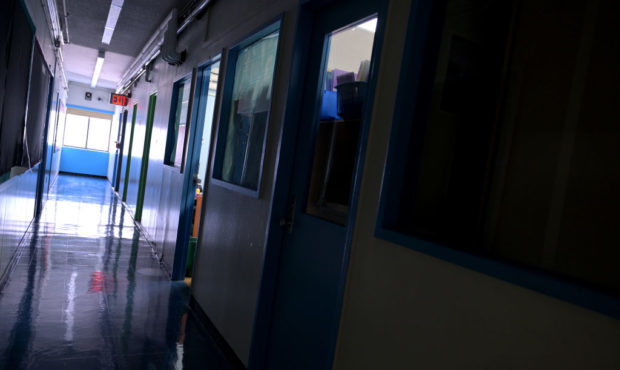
(190, 165)
(116, 151)
(265, 342)
(119, 164)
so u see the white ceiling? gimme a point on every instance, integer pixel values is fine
(80, 63)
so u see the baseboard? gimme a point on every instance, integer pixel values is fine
(217, 337)
(82, 175)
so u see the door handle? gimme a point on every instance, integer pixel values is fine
(287, 222)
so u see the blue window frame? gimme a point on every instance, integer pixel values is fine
(244, 118)
(178, 124)
(490, 167)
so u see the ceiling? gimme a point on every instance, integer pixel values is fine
(80, 63)
(86, 21)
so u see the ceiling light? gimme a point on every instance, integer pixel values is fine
(110, 24)
(98, 66)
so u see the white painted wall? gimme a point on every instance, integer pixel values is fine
(100, 99)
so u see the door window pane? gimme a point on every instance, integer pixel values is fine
(243, 132)
(342, 106)
(208, 122)
(98, 134)
(178, 126)
(76, 129)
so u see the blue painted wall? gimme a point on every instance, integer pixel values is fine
(85, 162)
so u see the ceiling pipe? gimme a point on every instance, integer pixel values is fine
(65, 15)
(148, 52)
(151, 49)
(51, 16)
(190, 18)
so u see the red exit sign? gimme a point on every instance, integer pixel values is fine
(117, 99)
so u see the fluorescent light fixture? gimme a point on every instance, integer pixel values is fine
(110, 24)
(97, 71)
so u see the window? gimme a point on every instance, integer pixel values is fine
(82, 131)
(98, 134)
(178, 128)
(245, 113)
(506, 145)
(344, 87)
(76, 131)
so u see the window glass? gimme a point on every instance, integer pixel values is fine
(76, 129)
(98, 134)
(178, 127)
(214, 72)
(342, 106)
(245, 127)
(82, 131)
(512, 151)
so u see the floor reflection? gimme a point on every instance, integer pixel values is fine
(87, 293)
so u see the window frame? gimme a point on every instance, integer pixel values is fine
(228, 76)
(191, 78)
(414, 64)
(85, 113)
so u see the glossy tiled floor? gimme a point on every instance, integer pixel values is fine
(88, 294)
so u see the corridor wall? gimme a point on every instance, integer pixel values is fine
(18, 187)
(16, 62)
(58, 101)
(17, 210)
(226, 288)
(402, 308)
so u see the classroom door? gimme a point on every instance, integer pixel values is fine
(144, 165)
(194, 184)
(335, 111)
(129, 153)
(119, 152)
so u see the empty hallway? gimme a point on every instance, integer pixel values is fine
(310, 184)
(87, 293)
